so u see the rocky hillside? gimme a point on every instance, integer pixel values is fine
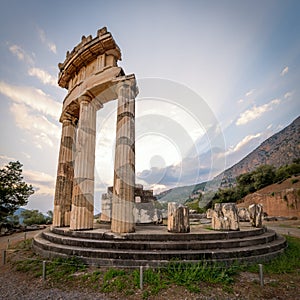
(278, 199)
(278, 150)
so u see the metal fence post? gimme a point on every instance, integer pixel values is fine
(44, 270)
(3, 257)
(261, 275)
(141, 277)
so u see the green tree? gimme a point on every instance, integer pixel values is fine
(14, 192)
(245, 184)
(225, 195)
(33, 217)
(49, 218)
(264, 175)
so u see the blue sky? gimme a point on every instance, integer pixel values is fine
(235, 63)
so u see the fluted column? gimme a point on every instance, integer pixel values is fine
(82, 213)
(65, 173)
(124, 170)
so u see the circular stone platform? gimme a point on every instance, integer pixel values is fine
(153, 245)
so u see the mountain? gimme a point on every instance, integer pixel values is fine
(180, 194)
(280, 149)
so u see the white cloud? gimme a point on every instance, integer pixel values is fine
(158, 188)
(4, 157)
(255, 112)
(249, 93)
(4, 160)
(36, 176)
(21, 54)
(43, 131)
(240, 101)
(43, 76)
(288, 95)
(284, 71)
(245, 141)
(49, 44)
(42, 183)
(28, 156)
(32, 97)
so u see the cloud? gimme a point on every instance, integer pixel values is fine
(4, 157)
(249, 93)
(288, 95)
(246, 140)
(21, 54)
(51, 46)
(42, 183)
(4, 160)
(28, 156)
(42, 131)
(255, 112)
(32, 97)
(284, 71)
(43, 76)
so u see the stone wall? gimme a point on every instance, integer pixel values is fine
(285, 203)
(144, 212)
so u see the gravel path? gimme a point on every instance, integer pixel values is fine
(15, 286)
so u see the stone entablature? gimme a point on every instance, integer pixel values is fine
(90, 56)
(91, 70)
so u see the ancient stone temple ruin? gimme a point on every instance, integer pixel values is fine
(92, 77)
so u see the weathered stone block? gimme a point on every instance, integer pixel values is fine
(146, 213)
(106, 207)
(209, 213)
(225, 217)
(256, 215)
(243, 214)
(178, 218)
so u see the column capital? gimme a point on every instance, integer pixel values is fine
(89, 99)
(128, 81)
(84, 98)
(66, 117)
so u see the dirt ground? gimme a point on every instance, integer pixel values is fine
(18, 285)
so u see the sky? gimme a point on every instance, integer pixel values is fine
(215, 78)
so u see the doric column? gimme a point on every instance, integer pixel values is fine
(82, 213)
(124, 170)
(65, 173)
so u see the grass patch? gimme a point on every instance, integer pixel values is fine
(57, 270)
(126, 282)
(287, 262)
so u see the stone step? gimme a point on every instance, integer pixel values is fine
(135, 257)
(160, 234)
(158, 245)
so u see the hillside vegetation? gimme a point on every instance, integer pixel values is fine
(253, 181)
